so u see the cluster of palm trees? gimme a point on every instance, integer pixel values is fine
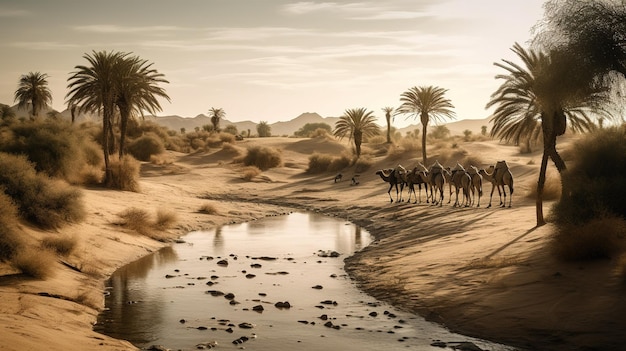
(115, 84)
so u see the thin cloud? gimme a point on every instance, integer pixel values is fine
(6, 13)
(44, 45)
(111, 28)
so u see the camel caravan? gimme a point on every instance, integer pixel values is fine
(469, 183)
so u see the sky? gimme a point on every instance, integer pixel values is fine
(271, 60)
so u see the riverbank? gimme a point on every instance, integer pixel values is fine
(481, 272)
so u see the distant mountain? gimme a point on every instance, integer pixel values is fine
(288, 128)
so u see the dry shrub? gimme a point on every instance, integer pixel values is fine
(250, 172)
(551, 188)
(320, 133)
(63, 245)
(498, 262)
(262, 157)
(91, 175)
(42, 201)
(410, 145)
(232, 148)
(197, 144)
(35, 263)
(124, 173)
(161, 159)
(213, 141)
(340, 162)
(10, 241)
(145, 146)
(319, 163)
(136, 219)
(600, 238)
(208, 208)
(471, 160)
(377, 139)
(227, 137)
(363, 164)
(165, 219)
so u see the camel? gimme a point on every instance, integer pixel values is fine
(338, 177)
(436, 181)
(390, 176)
(447, 174)
(476, 185)
(500, 176)
(461, 180)
(419, 176)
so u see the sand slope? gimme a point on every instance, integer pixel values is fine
(483, 272)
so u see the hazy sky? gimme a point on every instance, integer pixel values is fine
(270, 60)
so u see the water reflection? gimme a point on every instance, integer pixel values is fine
(268, 261)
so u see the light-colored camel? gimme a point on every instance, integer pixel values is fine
(477, 184)
(461, 181)
(437, 182)
(418, 175)
(390, 176)
(447, 174)
(500, 176)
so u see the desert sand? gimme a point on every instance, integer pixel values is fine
(482, 272)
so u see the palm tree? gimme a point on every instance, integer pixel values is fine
(427, 103)
(263, 129)
(137, 91)
(388, 116)
(92, 89)
(216, 115)
(539, 92)
(33, 89)
(356, 123)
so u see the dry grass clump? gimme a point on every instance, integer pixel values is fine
(600, 238)
(262, 157)
(340, 162)
(10, 241)
(42, 201)
(145, 146)
(498, 262)
(226, 137)
(249, 172)
(410, 145)
(363, 164)
(63, 245)
(377, 139)
(320, 163)
(124, 173)
(165, 219)
(35, 263)
(551, 188)
(139, 220)
(208, 208)
(161, 159)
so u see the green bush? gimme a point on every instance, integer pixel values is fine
(262, 157)
(10, 241)
(42, 201)
(145, 146)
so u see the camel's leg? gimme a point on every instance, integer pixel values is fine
(493, 186)
(389, 192)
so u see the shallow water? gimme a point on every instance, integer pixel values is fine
(172, 297)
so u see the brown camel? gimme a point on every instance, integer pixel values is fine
(447, 174)
(390, 176)
(418, 175)
(436, 181)
(500, 176)
(477, 184)
(461, 180)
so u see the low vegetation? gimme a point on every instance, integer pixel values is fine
(208, 208)
(262, 157)
(146, 146)
(34, 262)
(43, 201)
(63, 245)
(140, 221)
(249, 172)
(125, 173)
(10, 241)
(590, 213)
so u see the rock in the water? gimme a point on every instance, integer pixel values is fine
(246, 325)
(284, 304)
(223, 263)
(258, 308)
(318, 287)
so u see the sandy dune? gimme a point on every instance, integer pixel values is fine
(482, 272)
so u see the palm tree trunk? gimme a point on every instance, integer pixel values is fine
(358, 139)
(124, 115)
(108, 173)
(540, 184)
(388, 129)
(424, 121)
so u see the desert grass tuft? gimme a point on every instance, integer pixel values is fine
(262, 157)
(35, 263)
(10, 240)
(125, 173)
(363, 164)
(63, 245)
(249, 172)
(165, 219)
(208, 208)
(136, 219)
(145, 146)
(599, 238)
(498, 262)
(551, 188)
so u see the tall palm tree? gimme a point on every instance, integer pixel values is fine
(137, 91)
(388, 116)
(427, 103)
(216, 115)
(92, 89)
(33, 89)
(539, 91)
(356, 123)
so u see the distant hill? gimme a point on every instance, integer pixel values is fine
(279, 128)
